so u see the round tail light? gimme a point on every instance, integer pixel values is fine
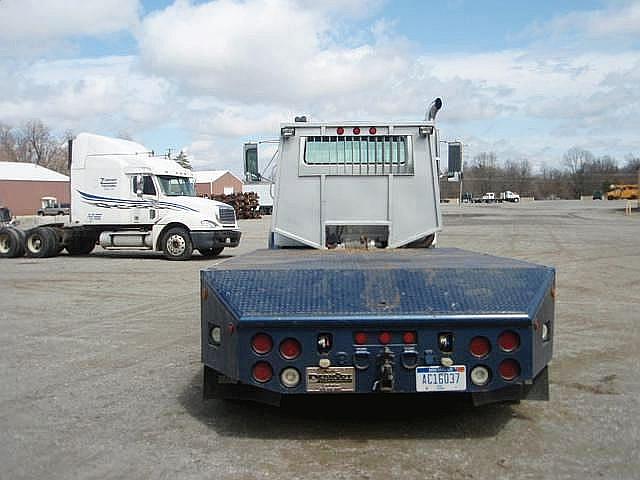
(356, 131)
(261, 343)
(372, 131)
(509, 369)
(360, 338)
(384, 337)
(290, 348)
(340, 131)
(290, 377)
(509, 341)
(480, 347)
(262, 372)
(410, 337)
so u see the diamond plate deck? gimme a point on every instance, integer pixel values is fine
(272, 284)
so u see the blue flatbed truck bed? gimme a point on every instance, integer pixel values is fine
(292, 321)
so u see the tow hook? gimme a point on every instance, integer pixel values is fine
(386, 379)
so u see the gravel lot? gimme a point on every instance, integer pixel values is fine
(100, 372)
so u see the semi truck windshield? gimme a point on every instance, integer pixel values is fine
(177, 186)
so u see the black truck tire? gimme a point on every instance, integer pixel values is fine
(177, 244)
(82, 245)
(11, 242)
(211, 252)
(41, 242)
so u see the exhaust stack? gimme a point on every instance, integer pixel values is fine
(433, 109)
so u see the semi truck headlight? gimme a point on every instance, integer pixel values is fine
(290, 377)
(209, 223)
(480, 375)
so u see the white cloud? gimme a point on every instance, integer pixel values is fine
(617, 20)
(33, 21)
(105, 94)
(228, 71)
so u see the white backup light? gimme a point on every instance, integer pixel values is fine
(480, 375)
(545, 332)
(216, 335)
(290, 377)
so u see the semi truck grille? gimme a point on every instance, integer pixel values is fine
(227, 216)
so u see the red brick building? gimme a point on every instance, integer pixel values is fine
(217, 182)
(22, 185)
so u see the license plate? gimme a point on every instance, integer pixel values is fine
(331, 379)
(441, 379)
(227, 240)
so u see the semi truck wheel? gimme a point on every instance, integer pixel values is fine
(11, 243)
(211, 252)
(41, 242)
(176, 244)
(81, 245)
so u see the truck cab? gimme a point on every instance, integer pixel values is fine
(126, 197)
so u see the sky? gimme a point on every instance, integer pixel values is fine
(522, 79)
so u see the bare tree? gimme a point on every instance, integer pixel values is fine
(7, 144)
(36, 144)
(518, 175)
(575, 160)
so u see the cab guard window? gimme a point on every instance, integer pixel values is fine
(357, 155)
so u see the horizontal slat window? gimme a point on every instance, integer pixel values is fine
(389, 151)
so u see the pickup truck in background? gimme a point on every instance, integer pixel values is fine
(50, 206)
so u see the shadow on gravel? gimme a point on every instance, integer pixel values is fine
(348, 417)
(147, 254)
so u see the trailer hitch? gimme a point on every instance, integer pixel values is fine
(386, 378)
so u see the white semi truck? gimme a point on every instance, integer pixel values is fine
(124, 197)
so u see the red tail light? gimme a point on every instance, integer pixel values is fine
(340, 131)
(262, 372)
(261, 343)
(410, 337)
(356, 131)
(372, 131)
(385, 337)
(480, 347)
(509, 369)
(290, 348)
(360, 338)
(509, 341)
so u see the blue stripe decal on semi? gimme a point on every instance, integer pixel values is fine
(123, 203)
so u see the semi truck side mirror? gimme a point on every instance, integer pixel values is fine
(454, 164)
(139, 185)
(251, 173)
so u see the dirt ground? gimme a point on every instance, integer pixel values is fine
(100, 372)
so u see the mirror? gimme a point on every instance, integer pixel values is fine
(454, 164)
(139, 185)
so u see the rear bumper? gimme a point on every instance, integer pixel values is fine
(208, 239)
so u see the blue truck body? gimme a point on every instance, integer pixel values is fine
(383, 314)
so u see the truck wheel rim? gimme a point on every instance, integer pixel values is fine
(176, 245)
(34, 244)
(5, 243)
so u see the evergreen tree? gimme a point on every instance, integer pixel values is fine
(183, 160)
